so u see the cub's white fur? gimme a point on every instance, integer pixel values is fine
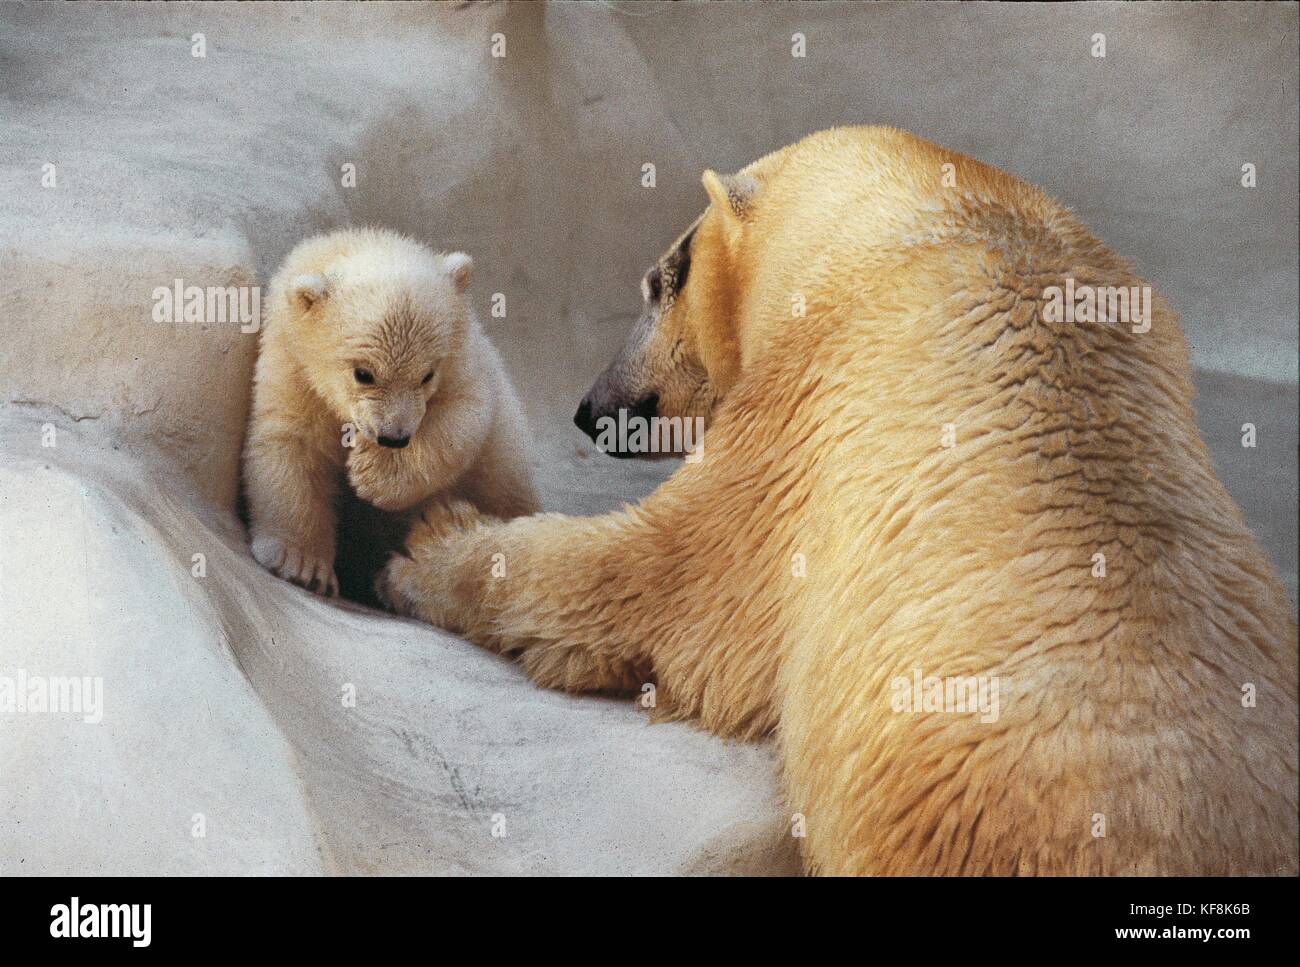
(369, 337)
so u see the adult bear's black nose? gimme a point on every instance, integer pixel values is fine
(584, 419)
(646, 408)
(622, 418)
(395, 442)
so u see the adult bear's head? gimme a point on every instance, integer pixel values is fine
(685, 351)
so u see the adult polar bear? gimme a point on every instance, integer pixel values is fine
(840, 313)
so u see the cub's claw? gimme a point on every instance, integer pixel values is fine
(313, 572)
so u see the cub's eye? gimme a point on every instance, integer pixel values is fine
(363, 376)
(427, 376)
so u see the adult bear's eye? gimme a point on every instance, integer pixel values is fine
(652, 286)
(364, 376)
(427, 376)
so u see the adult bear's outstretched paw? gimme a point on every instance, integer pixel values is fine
(395, 584)
(419, 580)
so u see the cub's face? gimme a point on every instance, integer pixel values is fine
(684, 352)
(377, 349)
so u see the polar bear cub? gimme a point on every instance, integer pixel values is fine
(373, 368)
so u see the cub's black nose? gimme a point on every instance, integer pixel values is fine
(395, 442)
(584, 419)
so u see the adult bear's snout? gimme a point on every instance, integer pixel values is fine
(584, 419)
(623, 417)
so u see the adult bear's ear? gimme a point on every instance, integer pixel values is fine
(732, 195)
(459, 266)
(307, 290)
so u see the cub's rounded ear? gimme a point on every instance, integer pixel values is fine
(459, 266)
(733, 195)
(306, 291)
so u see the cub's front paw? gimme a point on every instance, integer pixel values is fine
(313, 571)
(375, 475)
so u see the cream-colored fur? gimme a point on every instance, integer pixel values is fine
(829, 543)
(374, 301)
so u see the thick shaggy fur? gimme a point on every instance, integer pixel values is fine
(1125, 743)
(372, 301)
